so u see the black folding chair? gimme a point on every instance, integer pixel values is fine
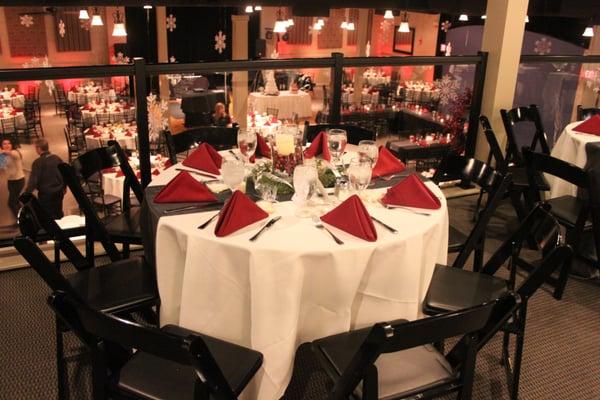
(122, 228)
(170, 363)
(220, 138)
(574, 213)
(453, 289)
(122, 287)
(355, 133)
(472, 171)
(585, 113)
(396, 359)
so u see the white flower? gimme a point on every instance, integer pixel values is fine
(171, 25)
(26, 20)
(220, 44)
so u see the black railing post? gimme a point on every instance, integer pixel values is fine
(337, 74)
(476, 99)
(141, 109)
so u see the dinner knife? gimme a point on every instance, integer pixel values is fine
(205, 174)
(187, 208)
(264, 228)
(386, 226)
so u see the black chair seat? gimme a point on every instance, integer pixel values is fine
(453, 289)
(399, 374)
(456, 240)
(520, 179)
(116, 287)
(566, 209)
(125, 227)
(107, 199)
(151, 377)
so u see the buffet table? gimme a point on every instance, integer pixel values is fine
(571, 147)
(294, 284)
(286, 102)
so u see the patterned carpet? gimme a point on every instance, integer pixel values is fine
(561, 356)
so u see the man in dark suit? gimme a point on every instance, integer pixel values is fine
(47, 180)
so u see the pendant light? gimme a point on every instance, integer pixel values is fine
(317, 26)
(463, 17)
(147, 7)
(350, 26)
(344, 25)
(321, 21)
(588, 32)
(257, 8)
(249, 9)
(96, 18)
(388, 14)
(83, 14)
(119, 27)
(483, 16)
(290, 22)
(404, 27)
(280, 24)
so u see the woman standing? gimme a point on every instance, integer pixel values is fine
(14, 173)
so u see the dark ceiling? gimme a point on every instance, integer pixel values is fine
(565, 8)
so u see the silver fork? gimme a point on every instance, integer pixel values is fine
(405, 208)
(317, 222)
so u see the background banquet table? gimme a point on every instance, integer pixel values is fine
(286, 102)
(294, 284)
(125, 140)
(13, 98)
(571, 147)
(8, 113)
(87, 94)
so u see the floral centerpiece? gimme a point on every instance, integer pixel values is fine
(157, 117)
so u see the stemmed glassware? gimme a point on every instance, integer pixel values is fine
(232, 172)
(336, 141)
(367, 149)
(359, 174)
(246, 140)
(305, 182)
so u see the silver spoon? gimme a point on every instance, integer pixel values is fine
(317, 222)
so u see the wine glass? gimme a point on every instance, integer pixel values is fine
(233, 173)
(305, 181)
(336, 141)
(246, 140)
(359, 173)
(367, 149)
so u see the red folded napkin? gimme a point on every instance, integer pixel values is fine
(237, 213)
(318, 146)
(13, 95)
(128, 133)
(411, 192)
(591, 125)
(138, 174)
(387, 164)
(120, 174)
(168, 164)
(262, 148)
(13, 112)
(156, 172)
(184, 189)
(351, 216)
(117, 110)
(205, 158)
(126, 107)
(109, 170)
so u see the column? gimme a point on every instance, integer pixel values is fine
(162, 48)
(239, 51)
(362, 36)
(585, 95)
(502, 39)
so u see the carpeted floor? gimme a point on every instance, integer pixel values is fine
(561, 356)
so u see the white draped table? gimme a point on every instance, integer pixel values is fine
(294, 284)
(286, 102)
(570, 147)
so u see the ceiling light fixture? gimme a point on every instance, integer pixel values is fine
(463, 17)
(344, 25)
(119, 28)
(350, 26)
(484, 16)
(320, 21)
(249, 9)
(83, 14)
(257, 8)
(388, 14)
(96, 18)
(317, 26)
(280, 24)
(147, 7)
(588, 32)
(290, 22)
(526, 18)
(404, 27)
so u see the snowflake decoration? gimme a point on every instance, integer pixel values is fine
(220, 44)
(542, 46)
(172, 59)
(446, 25)
(61, 28)
(121, 58)
(386, 28)
(171, 23)
(26, 20)
(448, 88)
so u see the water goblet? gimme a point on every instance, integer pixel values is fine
(305, 181)
(359, 174)
(233, 173)
(368, 149)
(246, 140)
(336, 141)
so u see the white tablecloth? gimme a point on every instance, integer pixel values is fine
(19, 119)
(89, 94)
(294, 284)
(17, 100)
(126, 142)
(286, 102)
(570, 147)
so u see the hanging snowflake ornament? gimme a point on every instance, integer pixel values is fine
(542, 46)
(386, 28)
(61, 28)
(26, 20)
(448, 88)
(172, 59)
(220, 44)
(446, 25)
(171, 23)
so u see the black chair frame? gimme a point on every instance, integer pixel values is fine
(585, 113)
(355, 133)
(220, 138)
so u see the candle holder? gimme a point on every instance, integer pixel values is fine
(286, 147)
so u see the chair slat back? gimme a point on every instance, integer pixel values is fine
(190, 350)
(355, 133)
(221, 138)
(585, 113)
(518, 115)
(492, 141)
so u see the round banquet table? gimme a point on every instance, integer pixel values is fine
(126, 142)
(286, 102)
(570, 147)
(14, 99)
(294, 284)
(19, 119)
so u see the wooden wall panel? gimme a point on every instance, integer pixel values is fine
(352, 36)
(76, 37)
(299, 33)
(331, 36)
(26, 41)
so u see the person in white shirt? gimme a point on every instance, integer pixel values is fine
(14, 173)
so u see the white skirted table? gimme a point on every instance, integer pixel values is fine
(570, 147)
(294, 284)
(286, 102)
